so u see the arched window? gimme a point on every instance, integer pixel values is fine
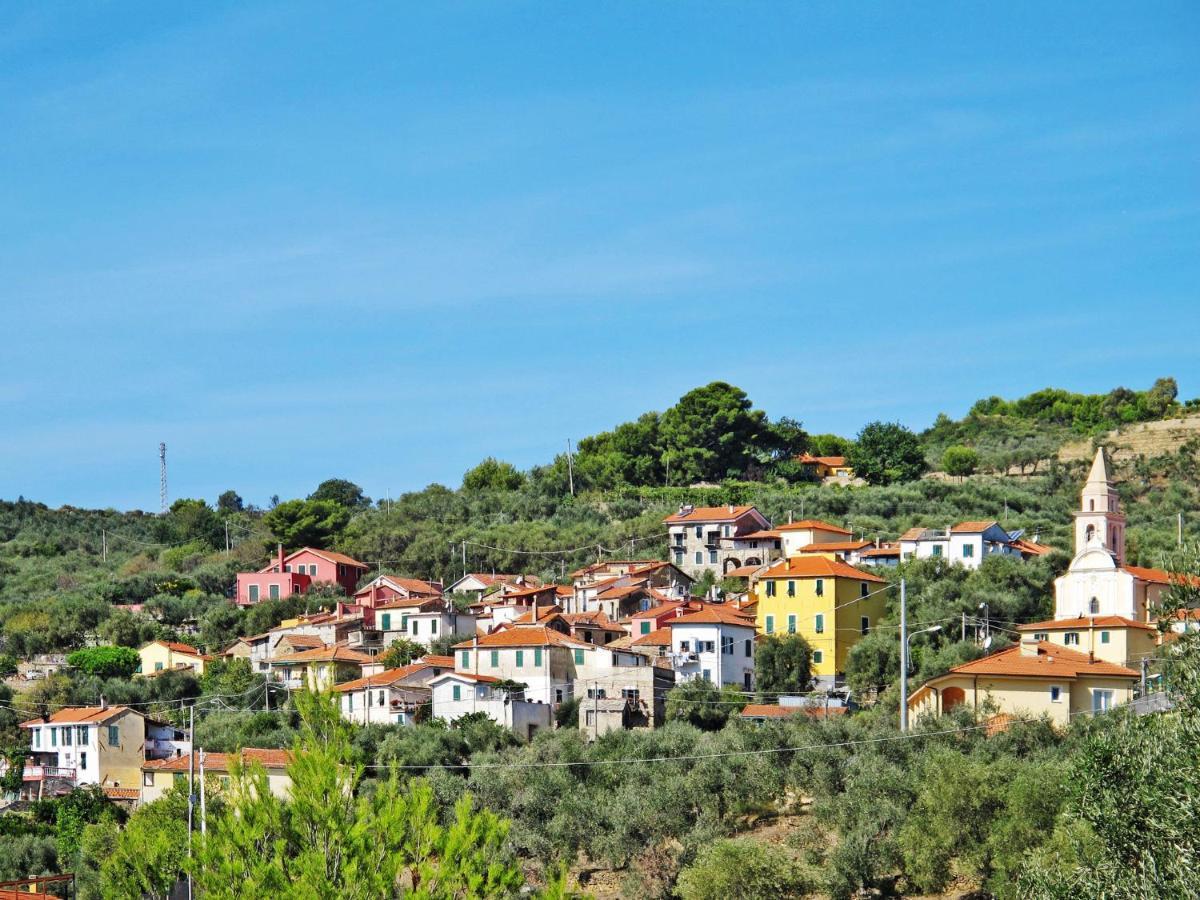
(1094, 607)
(1114, 541)
(1091, 505)
(1090, 534)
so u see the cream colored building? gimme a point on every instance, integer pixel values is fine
(160, 775)
(1033, 679)
(1111, 638)
(159, 656)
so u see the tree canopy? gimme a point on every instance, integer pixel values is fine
(886, 453)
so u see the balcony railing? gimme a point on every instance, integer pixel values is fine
(46, 773)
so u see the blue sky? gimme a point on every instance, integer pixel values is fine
(298, 241)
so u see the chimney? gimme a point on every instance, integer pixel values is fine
(789, 517)
(731, 509)
(1029, 645)
(1091, 656)
(280, 559)
(103, 702)
(535, 609)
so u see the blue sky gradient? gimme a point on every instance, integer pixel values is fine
(297, 241)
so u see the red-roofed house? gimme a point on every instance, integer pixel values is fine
(696, 534)
(715, 643)
(393, 696)
(795, 535)
(296, 572)
(1032, 679)
(160, 775)
(1110, 638)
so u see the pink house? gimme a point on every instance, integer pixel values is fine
(296, 573)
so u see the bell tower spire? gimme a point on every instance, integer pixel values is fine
(1099, 521)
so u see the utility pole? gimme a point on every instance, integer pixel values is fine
(1145, 674)
(104, 545)
(226, 535)
(464, 557)
(191, 787)
(903, 656)
(203, 804)
(162, 477)
(964, 627)
(570, 468)
(595, 710)
(1179, 530)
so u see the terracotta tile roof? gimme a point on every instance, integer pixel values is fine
(834, 462)
(176, 647)
(660, 637)
(335, 653)
(834, 546)
(120, 793)
(913, 534)
(973, 527)
(531, 592)
(621, 590)
(564, 590)
(805, 524)
(1032, 548)
(1085, 622)
(775, 711)
(384, 678)
(1161, 576)
(79, 715)
(742, 571)
(307, 641)
(598, 618)
(545, 614)
(714, 615)
(656, 611)
(610, 565)
(526, 636)
(441, 662)
(418, 603)
(880, 552)
(469, 676)
(709, 514)
(219, 762)
(411, 585)
(763, 535)
(818, 567)
(331, 555)
(1052, 661)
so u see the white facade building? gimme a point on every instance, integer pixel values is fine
(966, 544)
(716, 644)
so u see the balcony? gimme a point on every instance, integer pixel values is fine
(48, 773)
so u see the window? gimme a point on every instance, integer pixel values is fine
(404, 623)
(683, 646)
(791, 624)
(66, 735)
(312, 570)
(457, 692)
(1094, 606)
(727, 645)
(466, 659)
(645, 627)
(968, 551)
(1041, 635)
(1071, 639)
(147, 779)
(287, 568)
(770, 624)
(699, 557)
(385, 622)
(630, 694)
(1102, 701)
(679, 557)
(349, 703)
(863, 590)
(725, 531)
(819, 623)
(707, 675)
(520, 658)
(180, 778)
(379, 700)
(712, 556)
(37, 737)
(1104, 637)
(578, 657)
(791, 589)
(820, 587)
(273, 592)
(416, 627)
(749, 646)
(558, 695)
(864, 624)
(818, 657)
(1089, 534)
(770, 589)
(158, 667)
(433, 623)
(495, 659)
(252, 593)
(81, 734)
(937, 550)
(53, 737)
(537, 657)
(705, 646)
(83, 760)
(699, 531)
(1055, 694)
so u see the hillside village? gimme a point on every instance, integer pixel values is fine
(737, 621)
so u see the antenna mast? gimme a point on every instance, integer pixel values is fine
(162, 477)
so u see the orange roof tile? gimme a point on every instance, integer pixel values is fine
(526, 636)
(806, 524)
(881, 551)
(973, 527)
(331, 555)
(441, 662)
(833, 462)
(1031, 547)
(79, 715)
(1085, 622)
(1052, 661)
(717, 614)
(834, 546)
(709, 514)
(763, 535)
(384, 678)
(219, 762)
(470, 676)
(120, 793)
(176, 647)
(335, 653)
(418, 603)
(1161, 576)
(659, 637)
(818, 567)
(661, 609)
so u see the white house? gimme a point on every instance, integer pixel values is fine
(716, 644)
(795, 535)
(392, 696)
(104, 745)
(421, 620)
(966, 543)
(457, 694)
(696, 535)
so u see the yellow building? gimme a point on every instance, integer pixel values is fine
(828, 602)
(1113, 639)
(159, 775)
(323, 667)
(160, 656)
(1032, 679)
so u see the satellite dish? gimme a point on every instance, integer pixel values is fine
(987, 643)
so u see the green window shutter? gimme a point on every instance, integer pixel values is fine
(791, 624)
(114, 735)
(537, 656)
(1104, 637)
(819, 626)
(404, 623)
(495, 659)
(386, 622)
(457, 692)
(818, 656)
(645, 628)
(770, 624)
(520, 658)
(466, 659)
(579, 657)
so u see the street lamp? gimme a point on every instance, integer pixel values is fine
(986, 621)
(905, 637)
(908, 640)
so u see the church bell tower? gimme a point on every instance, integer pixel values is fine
(1099, 521)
